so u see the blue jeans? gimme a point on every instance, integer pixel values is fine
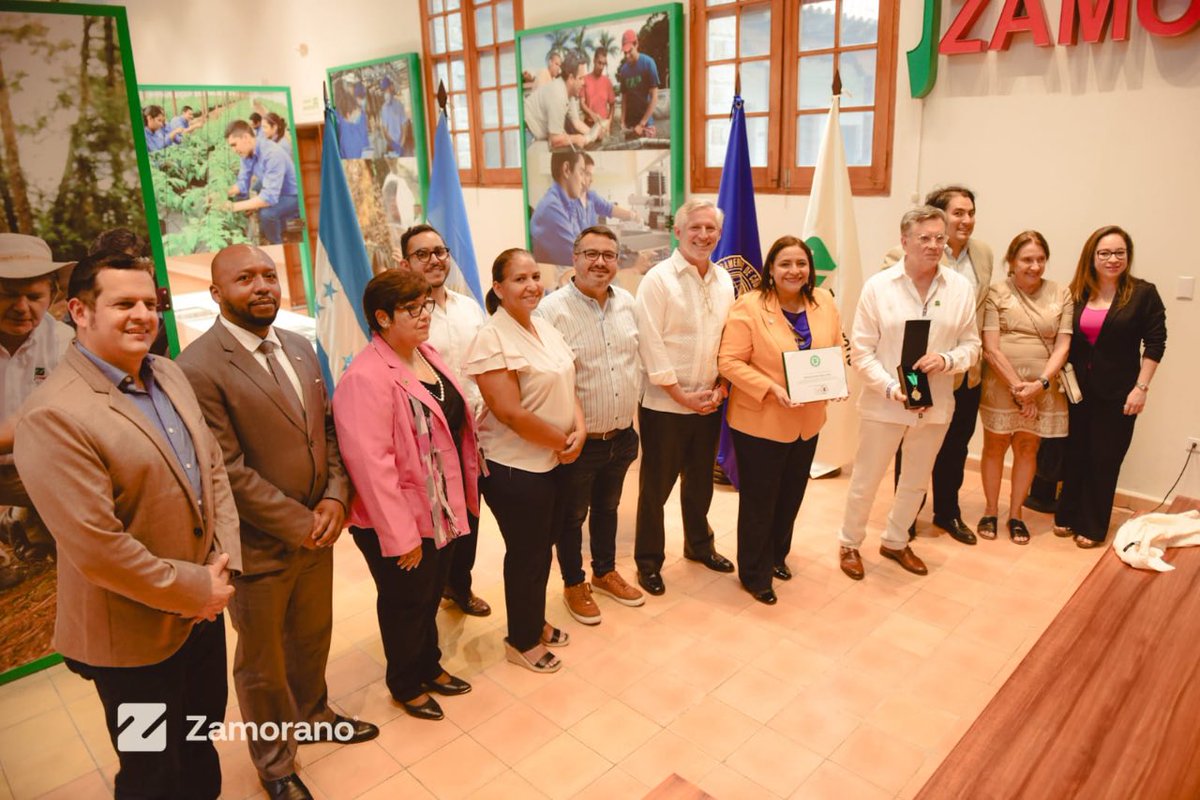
(594, 482)
(272, 220)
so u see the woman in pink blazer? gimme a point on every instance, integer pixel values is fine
(408, 441)
(774, 439)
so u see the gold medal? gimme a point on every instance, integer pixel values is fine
(915, 394)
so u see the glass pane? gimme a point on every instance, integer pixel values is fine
(441, 74)
(756, 138)
(716, 140)
(722, 37)
(483, 26)
(508, 107)
(459, 120)
(504, 22)
(451, 5)
(487, 70)
(857, 69)
(436, 7)
(718, 2)
(437, 32)
(491, 150)
(860, 22)
(756, 85)
(719, 89)
(756, 32)
(462, 150)
(809, 128)
(458, 76)
(815, 86)
(816, 24)
(508, 66)
(858, 128)
(512, 148)
(490, 107)
(454, 32)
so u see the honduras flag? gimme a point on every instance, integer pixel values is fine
(447, 212)
(739, 250)
(342, 266)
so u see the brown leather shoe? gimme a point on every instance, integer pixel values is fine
(474, 605)
(851, 563)
(905, 558)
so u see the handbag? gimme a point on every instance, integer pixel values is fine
(1068, 384)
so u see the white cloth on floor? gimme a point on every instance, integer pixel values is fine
(1142, 541)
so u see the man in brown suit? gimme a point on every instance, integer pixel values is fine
(261, 391)
(115, 456)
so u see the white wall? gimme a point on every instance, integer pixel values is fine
(1061, 139)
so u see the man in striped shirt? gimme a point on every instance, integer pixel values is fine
(596, 318)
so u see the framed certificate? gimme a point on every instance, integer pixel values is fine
(817, 374)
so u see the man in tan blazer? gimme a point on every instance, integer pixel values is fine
(262, 393)
(972, 259)
(115, 456)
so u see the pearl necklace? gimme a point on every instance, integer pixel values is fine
(441, 392)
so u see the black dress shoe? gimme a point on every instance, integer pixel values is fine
(289, 787)
(429, 710)
(957, 529)
(715, 561)
(450, 688)
(652, 582)
(767, 596)
(363, 731)
(782, 572)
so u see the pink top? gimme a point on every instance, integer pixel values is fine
(1090, 322)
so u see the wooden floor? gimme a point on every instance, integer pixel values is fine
(1106, 704)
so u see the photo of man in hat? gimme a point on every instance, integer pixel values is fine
(31, 344)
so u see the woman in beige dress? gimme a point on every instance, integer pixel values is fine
(1026, 338)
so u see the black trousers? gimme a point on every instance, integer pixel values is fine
(674, 446)
(593, 491)
(191, 683)
(462, 560)
(773, 477)
(1097, 440)
(952, 457)
(527, 506)
(406, 604)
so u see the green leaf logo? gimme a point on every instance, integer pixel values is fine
(815, 361)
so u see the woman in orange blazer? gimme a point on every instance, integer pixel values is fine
(774, 440)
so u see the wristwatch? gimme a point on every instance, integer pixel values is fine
(1044, 381)
(1145, 387)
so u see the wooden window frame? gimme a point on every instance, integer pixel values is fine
(476, 174)
(780, 176)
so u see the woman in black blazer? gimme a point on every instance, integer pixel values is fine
(1120, 333)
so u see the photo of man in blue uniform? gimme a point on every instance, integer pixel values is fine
(557, 219)
(269, 167)
(393, 118)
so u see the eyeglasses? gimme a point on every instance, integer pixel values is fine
(423, 255)
(927, 240)
(609, 256)
(1106, 255)
(414, 309)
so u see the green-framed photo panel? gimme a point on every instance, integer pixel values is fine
(225, 170)
(603, 121)
(76, 180)
(380, 111)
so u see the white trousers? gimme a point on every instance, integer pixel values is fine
(877, 445)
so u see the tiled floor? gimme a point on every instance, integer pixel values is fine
(843, 690)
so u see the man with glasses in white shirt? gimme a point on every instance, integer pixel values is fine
(455, 320)
(681, 308)
(597, 321)
(918, 287)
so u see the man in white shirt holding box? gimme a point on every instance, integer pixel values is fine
(915, 288)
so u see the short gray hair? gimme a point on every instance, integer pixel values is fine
(921, 214)
(695, 204)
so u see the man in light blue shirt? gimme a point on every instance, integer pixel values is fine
(180, 125)
(393, 117)
(556, 220)
(278, 199)
(155, 120)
